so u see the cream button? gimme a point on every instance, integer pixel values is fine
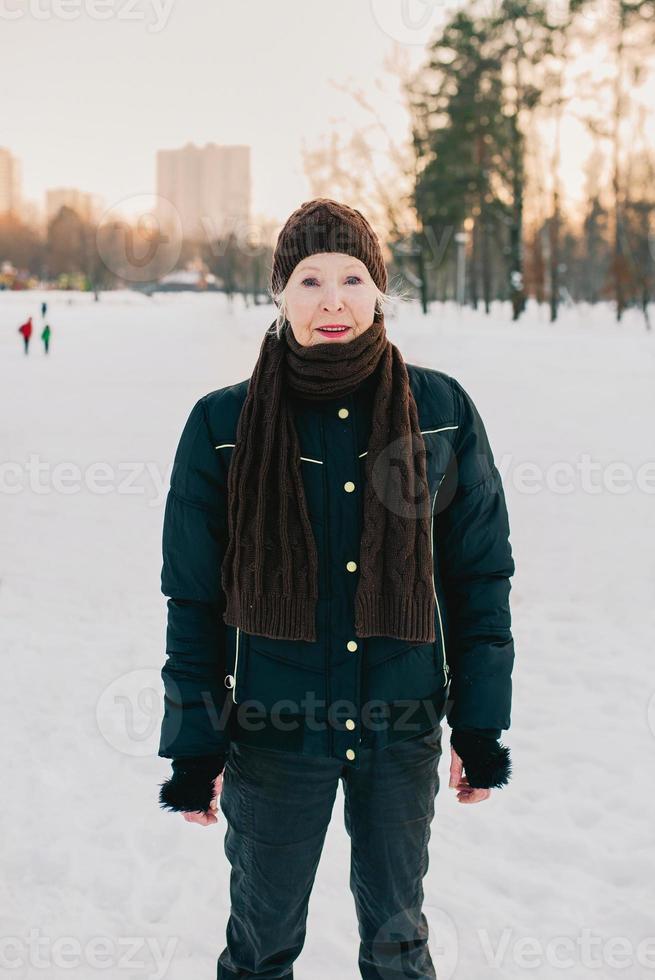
(343, 413)
(349, 486)
(350, 723)
(351, 566)
(352, 645)
(350, 753)
(229, 680)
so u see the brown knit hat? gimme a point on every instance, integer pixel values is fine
(324, 225)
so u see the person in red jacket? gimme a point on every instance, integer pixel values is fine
(26, 330)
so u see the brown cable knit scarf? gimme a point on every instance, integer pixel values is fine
(270, 568)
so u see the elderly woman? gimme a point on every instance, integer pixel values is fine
(336, 553)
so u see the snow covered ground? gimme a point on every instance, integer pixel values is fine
(552, 875)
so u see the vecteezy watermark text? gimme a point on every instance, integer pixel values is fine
(588, 949)
(130, 708)
(98, 953)
(150, 479)
(67, 477)
(153, 12)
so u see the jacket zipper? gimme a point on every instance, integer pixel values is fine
(236, 662)
(446, 669)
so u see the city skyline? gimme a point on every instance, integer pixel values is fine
(119, 89)
(209, 186)
(117, 92)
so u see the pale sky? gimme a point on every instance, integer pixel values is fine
(92, 88)
(88, 101)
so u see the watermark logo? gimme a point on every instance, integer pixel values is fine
(400, 946)
(142, 248)
(409, 21)
(128, 712)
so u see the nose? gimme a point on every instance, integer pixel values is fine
(332, 297)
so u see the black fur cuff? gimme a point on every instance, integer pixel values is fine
(191, 787)
(486, 763)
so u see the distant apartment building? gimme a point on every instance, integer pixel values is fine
(10, 178)
(33, 214)
(87, 206)
(208, 187)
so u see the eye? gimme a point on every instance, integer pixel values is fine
(312, 279)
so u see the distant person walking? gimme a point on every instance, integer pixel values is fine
(26, 330)
(45, 336)
(44, 309)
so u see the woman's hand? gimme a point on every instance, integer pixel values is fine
(458, 781)
(486, 762)
(194, 786)
(209, 816)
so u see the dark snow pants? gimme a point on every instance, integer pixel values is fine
(278, 806)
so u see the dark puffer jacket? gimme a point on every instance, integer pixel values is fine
(340, 693)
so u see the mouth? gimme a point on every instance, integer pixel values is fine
(333, 330)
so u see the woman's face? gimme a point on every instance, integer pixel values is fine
(329, 289)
